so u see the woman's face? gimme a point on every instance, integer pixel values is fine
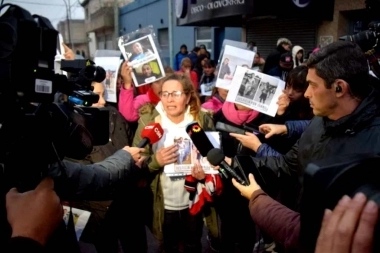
(256, 60)
(299, 55)
(222, 93)
(208, 70)
(99, 89)
(293, 94)
(173, 98)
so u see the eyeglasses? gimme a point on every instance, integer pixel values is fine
(175, 94)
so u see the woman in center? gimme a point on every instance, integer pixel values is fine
(172, 224)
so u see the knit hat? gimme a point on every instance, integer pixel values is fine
(283, 41)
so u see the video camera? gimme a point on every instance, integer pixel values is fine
(327, 181)
(35, 131)
(368, 40)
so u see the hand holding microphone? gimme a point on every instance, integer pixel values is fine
(151, 134)
(216, 157)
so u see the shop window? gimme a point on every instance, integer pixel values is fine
(163, 38)
(163, 42)
(203, 36)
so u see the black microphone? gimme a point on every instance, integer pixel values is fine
(201, 141)
(216, 157)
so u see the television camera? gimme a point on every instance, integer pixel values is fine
(326, 181)
(35, 131)
(369, 40)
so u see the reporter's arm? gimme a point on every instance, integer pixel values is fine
(296, 128)
(97, 181)
(265, 212)
(266, 150)
(285, 164)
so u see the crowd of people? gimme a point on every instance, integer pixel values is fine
(329, 108)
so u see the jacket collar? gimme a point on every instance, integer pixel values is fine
(360, 118)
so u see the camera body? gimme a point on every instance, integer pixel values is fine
(35, 131)
(326, 181)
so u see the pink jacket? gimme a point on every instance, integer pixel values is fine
(129, 105)
(213, 104)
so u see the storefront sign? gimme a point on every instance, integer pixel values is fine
(204, 10)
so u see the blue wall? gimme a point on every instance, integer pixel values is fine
(150, 12)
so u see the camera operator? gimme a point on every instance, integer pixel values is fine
(347, 122)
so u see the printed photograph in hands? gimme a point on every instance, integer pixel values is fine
(184, 151)
(256, 90)
(147, 72)
(265, 93)
(110, 80)
(140, 49)
(249, 85)
(232, 58)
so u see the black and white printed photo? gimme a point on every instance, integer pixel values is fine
(249, 85)
(140, 49)
(265, 93)
(148, 72)
(255, 90)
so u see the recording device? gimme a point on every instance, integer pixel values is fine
(245, 162)
(151, 134)
(201, 142)
(232, 129)
(36, 132)
(369, 40)
(325, 182)
(216, 157)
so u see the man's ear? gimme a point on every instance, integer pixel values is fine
(342, 88)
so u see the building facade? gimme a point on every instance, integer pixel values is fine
(77, 39)
(143, 13)
(309, 23)
(100, 16)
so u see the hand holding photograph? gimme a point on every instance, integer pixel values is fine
(232, 58)
(256, 90)
(143, 56)
(189, 155)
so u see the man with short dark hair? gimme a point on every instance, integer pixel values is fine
(346, 122)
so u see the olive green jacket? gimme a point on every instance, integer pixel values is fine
(148, 114)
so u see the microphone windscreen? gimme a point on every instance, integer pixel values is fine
(215, 156)
(153, 132)
(199, 138)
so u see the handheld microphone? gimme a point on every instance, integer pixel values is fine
(151, 134)
(216, 157)
(201, 141)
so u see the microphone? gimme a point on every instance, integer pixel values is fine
(216, 157)
(151, 134)
(201, 141)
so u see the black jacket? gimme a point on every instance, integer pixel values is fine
(358, 132)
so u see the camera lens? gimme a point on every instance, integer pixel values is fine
(100, 74)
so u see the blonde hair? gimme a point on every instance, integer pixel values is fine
(188, 89)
